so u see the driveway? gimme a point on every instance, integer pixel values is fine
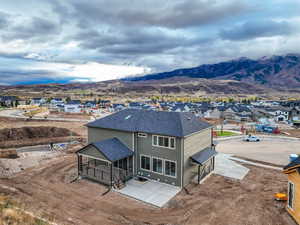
(271, 150)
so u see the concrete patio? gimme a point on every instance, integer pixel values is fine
(150, 192)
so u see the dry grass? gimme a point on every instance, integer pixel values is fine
(11, 214)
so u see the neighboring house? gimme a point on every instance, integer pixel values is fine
(168, 147)
(215, 113)
(104, 103)
(294, 114)
(293, 204)
(135, 105)
(37, 101)
(117, 107)
(73, 106)
(280, 114)
(56, 101)
(8, 101)
(90, 104)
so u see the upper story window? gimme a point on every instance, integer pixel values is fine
(144, 135)
(163, 141)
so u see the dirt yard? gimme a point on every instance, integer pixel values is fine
(48, 191)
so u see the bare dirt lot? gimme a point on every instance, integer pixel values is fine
(30, 138)
(271, 150)
(19, 137)
(47, 191)
(79, 116)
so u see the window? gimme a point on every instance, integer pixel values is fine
(172, 144)
(291, 194)
(170, 168)
(144, 135)
(157, 165)
(165, 142)
(145, 162)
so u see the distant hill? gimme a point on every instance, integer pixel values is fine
(279, 72)
(174, 85)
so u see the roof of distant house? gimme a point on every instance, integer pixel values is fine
(8, 98)
(74, 102)
(176, 124)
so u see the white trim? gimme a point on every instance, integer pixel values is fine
(292, 208)
(175, 168)
(159, 146)
(141, 162)
(142, 135)
(163, 162)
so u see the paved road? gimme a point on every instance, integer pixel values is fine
(33, 148)
(40, 148)
(272, 150)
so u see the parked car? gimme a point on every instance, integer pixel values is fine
(251, 138)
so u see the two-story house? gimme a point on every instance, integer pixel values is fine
(169, 147)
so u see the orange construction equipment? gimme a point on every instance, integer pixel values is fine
(280, 197)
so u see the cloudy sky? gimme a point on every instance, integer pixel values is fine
(44, 41)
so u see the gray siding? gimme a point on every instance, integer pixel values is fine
(98, 134)
(144, 147)
(193, 144)
(92, 151)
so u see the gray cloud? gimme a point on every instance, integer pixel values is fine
(36, 29)
(135, 41)
(175, 14)
(4, 20)
(255, 29)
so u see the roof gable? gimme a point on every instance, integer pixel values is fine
(111, 149)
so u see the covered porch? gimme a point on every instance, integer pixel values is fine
(109, 162)
(205, 160)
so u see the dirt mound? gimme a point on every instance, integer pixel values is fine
(14, 134)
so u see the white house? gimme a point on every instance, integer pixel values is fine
(37, 101)
(73, 106)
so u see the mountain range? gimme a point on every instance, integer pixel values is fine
(279, 72)
(241, 76)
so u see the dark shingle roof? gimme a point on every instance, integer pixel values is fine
(295, 162)
(176, 124)
(202, 156)
(113, 149)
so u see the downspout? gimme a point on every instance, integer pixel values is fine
(134, 154)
